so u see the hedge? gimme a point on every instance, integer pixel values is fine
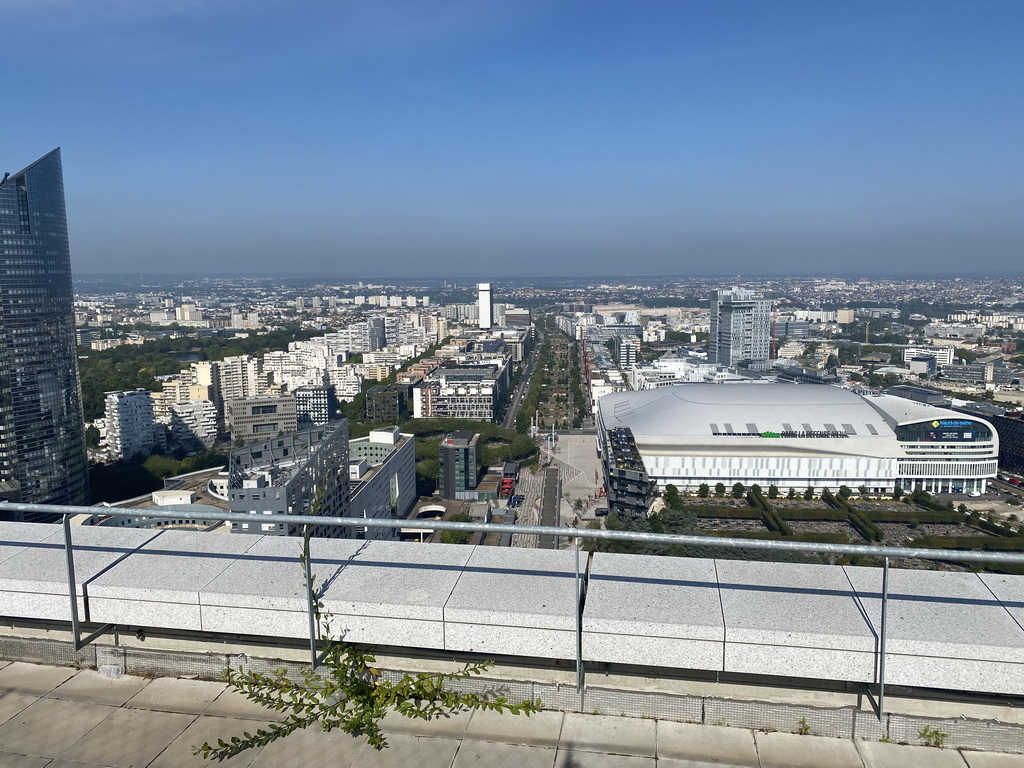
(922, 516)
(831, 515)
(726, 513)
(865, 527)
(986, 543)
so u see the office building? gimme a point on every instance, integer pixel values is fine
(485, 307)
(382, 478)
(458, 459)
(386, 403)
(461, 392)
(260, 416)
(741, 327)
(295, 474)
(796, 436)
(42, 433)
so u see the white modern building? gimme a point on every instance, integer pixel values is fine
(485, 306)
(741, 327)
(131, 429)
(799, 436)
(194, 424)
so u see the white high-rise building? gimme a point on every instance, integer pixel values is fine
(485, 308)
(130, 427)
(194, 423)
(741, 326)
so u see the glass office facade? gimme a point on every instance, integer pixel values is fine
(42, 435)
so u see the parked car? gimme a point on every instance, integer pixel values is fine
(601, 511)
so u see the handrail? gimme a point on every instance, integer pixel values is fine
(822, 548)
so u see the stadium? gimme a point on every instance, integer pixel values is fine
(788, 435)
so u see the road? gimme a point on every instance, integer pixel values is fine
(524, 385)
(549, 504)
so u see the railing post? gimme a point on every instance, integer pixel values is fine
(881, 639)
(579, 620)
(310, 611)
(69, 552)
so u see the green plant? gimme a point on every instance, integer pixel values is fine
(350, 693)
(804, 728)
(933, 737)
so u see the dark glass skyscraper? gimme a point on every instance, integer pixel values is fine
(42, 435)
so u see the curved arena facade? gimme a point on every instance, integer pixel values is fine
(792, 436)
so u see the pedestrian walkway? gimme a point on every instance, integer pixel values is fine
(57, 717)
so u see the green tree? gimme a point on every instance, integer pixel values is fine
(719, 489)
(703, 490)
(897, 493)
(737, 490)
(773, 491)
(845, 492)
(809, 494)
(862, 490)
(791, 494)
(457, 537)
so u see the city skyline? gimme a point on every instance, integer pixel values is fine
(546, 139)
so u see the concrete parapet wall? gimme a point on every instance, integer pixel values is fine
(959, 632)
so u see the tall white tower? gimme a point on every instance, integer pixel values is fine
(485, 309)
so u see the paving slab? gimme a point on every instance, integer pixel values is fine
(34, 584)
(159, 584)
(571, 759)
(405, 750)
(128, 738)
(15, 538)
(231, 703)
(477, 754)
(8, 760)
(452, 727)
(88, 685)
(13, 703)
(33, 732)
(789, 750)
(376, 592)
(541, 729)
(878, 754)
(514, 602)
(991, 759)
(945, 630)
(171, 694)
(706, 743)
(1009, 590)
(33, 679)
(179, 753)
(310, 747)
(612, 735)
(793, 620)
(658, 611)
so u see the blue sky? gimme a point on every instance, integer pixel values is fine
(459, 137)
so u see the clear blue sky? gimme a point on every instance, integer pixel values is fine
(466, 137)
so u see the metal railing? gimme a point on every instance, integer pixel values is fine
(576, 534)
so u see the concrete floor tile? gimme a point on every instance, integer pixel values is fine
(178, 753)
(90, 687)
(310, 747)
(405, 750)
(33, 679)
(879, 754)
(231, 703)
(707, 743)
(13, 703)
(7, 760)
(572, 759)
(613, 735)
(992, 759)
(790, 750)
(668, 762)
(3, 663)
(478, 754)
(541, 729)
(67, 764)
(32, 731)
(170, 694)
(453, 727)
(128, 738)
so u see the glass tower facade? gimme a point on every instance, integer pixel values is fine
(42, 434)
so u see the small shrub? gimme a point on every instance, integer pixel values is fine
(804, 728)
(933, 737)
